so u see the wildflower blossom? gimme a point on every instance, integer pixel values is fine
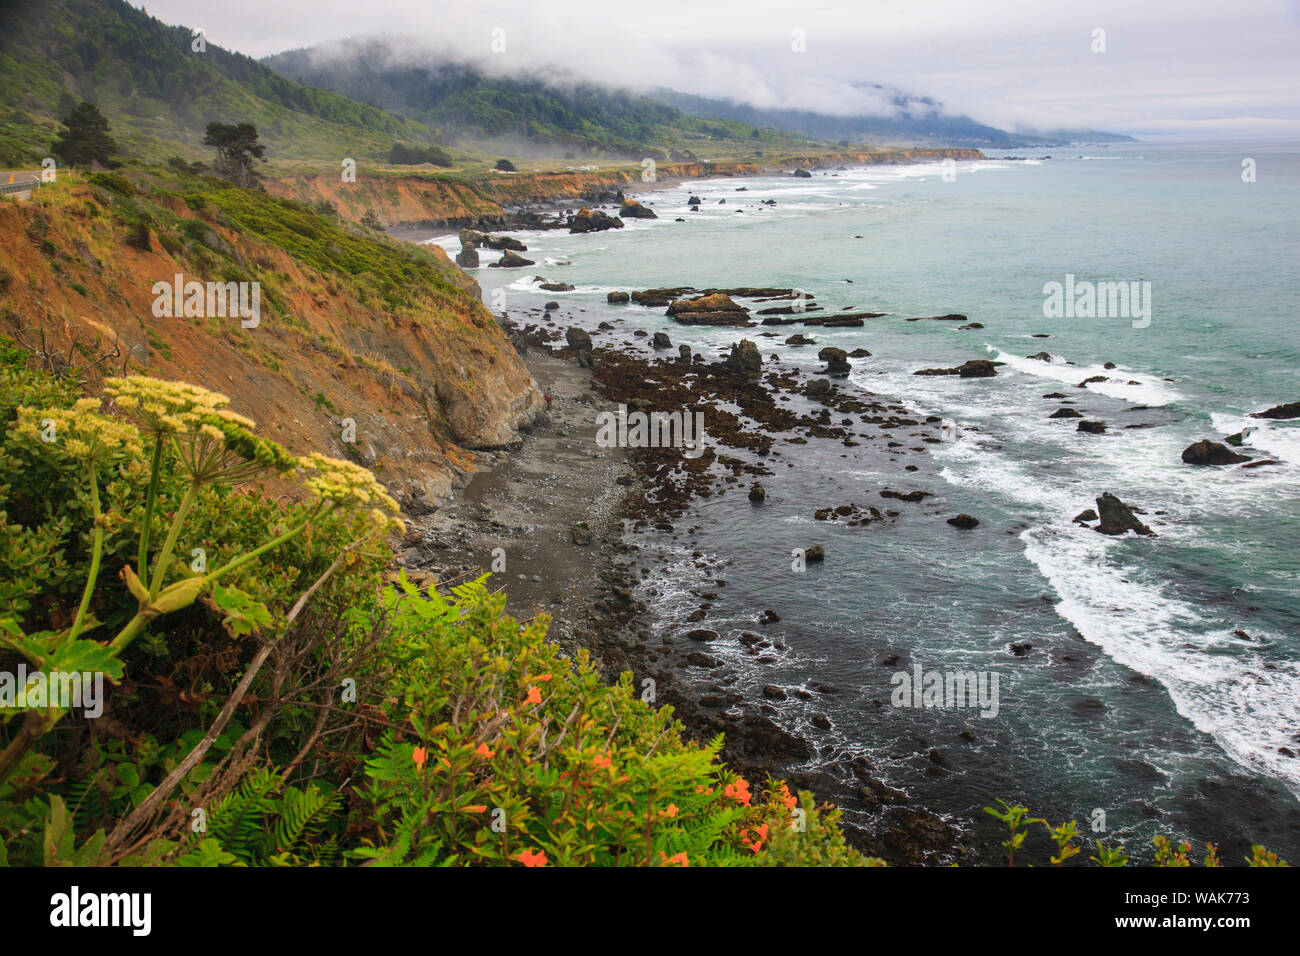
(80, 431)
(420, 755)
(532, 857)
(344, 483)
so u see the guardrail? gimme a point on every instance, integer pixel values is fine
(26, 186)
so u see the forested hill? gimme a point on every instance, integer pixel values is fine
(576, 116)
(159, 92)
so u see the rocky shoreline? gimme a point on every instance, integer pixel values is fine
(566, 514)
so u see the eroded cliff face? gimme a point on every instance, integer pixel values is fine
(421, 384)
(448, 201)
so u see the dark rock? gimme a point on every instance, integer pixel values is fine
(837, 361)
(702, 634)
(661, 341)
(1085, 516)
(1280, 412)
(631, 209)
(757, 492)
(578, 339)
(772, 692)
(1065, 413)
(769, 617)
(1118, 518)
(699, 659)
(467, 258)
(587, 221)
(511, 260)
(1206, 452)
(745, 357)
(963, 521)
(618, 298)
(802, 174)
(556, 287)
(1092, 428)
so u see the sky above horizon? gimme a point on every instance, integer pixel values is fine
(1191, 69)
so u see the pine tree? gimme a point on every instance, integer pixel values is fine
(84, 138)
(237, 147)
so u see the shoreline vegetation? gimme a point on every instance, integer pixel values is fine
(467, 736)
(312, 693)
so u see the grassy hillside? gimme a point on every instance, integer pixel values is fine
(160, 94)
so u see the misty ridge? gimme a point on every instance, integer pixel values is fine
(490, 96)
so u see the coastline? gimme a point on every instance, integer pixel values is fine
(530, 502)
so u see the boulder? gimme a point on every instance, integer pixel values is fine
(1092, 428)
(634, 210)
(718, 302)
(802, 174)
(1065, 413)
(617, 298)
(1280, 412)
(745, 357)
(757, 492)
(467, 258)
(585, 220)
(963, 521)
(1206, 452)
(661, 341)
(555, 287)
(1083, 517)
(511, 260)
(799, 339)
(578, 339)
(977, 368)
(815, 553)
(1118, 518)
(837, 361)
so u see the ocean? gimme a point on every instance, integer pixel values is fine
(1160, 692)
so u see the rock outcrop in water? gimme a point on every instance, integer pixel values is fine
(1118, 518)
(631, 209)
(715, 309)
(585, 220)
(1206, 452)
(1280, 412)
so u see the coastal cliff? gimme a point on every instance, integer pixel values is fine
(451, 200)
(363, 347)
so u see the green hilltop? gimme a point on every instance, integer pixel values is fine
(160, 94)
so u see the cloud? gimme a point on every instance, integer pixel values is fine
(1009, 63)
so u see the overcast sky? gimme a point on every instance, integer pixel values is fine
(1188, 69)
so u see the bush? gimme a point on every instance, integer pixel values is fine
(403, 155)
(87, 499)
(513, 754)
(113, 182)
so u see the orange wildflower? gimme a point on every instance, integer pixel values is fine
(420, 755)
(678, 859)
(485, 751)
(739, 790)
(533, 857)
(669, 811)
(534, 696)
(476, 808)
(600, 761)
(542, 677)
